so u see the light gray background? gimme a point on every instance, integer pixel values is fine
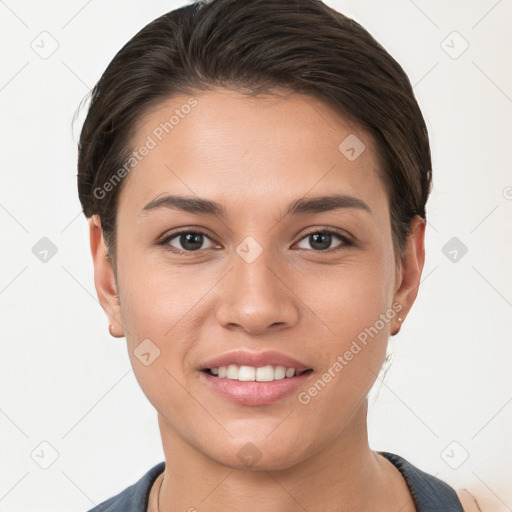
(66, 383)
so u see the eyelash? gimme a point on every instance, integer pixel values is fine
(346, 242)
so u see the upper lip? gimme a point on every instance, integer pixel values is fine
(256, 359)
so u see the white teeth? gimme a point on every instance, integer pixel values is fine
(250, 373)
(280, 372)
(232, 372)
(247, 373)
(265, 374)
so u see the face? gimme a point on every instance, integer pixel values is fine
(268, 276)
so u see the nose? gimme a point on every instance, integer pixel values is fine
(255, 296)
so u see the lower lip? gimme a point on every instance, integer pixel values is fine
(255, 393)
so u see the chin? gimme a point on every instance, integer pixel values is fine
(259, 455)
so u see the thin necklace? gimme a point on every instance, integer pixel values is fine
(158, 496)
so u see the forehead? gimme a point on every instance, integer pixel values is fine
(267, 148)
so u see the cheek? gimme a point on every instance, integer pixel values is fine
(158, 317)
(351, 297)
(355, 305)
(163, 311)
(357, 310)
(156, 298)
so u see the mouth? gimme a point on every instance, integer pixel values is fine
(254, 378)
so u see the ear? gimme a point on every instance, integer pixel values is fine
(409, 273)
(104, 278)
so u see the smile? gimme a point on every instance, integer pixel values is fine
(254, 378)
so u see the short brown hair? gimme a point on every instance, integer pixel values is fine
(254, 46)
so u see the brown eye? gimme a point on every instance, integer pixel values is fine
(187, 241)
(323, 240)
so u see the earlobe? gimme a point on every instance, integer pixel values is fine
(410, 271)
(104, 278)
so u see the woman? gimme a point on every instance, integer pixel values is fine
(255, 177)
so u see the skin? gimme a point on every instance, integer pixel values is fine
(255, 156)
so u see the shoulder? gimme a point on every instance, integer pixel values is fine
(428, 492)
(468, 501)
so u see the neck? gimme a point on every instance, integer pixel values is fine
(344, 475)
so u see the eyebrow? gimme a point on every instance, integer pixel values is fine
(204, 206)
